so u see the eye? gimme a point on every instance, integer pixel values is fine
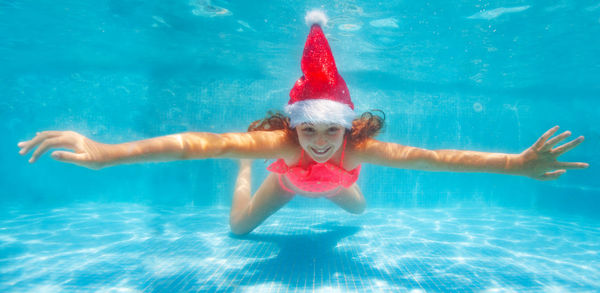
(308, 129)
(333, 129)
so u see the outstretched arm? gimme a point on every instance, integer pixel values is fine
(538, 161)
(189, 145)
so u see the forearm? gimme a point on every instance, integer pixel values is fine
(197, 145)
(158, 149)
(472, 161)
(407, 157)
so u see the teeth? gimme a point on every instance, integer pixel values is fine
(320, 152)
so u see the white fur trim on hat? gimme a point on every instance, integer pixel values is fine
(316, 16)
(320, 110)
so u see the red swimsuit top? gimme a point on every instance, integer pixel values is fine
(316, 177)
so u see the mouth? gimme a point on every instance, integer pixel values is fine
(320, 152)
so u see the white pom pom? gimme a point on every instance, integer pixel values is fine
(315, 16)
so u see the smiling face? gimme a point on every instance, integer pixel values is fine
(320, 140)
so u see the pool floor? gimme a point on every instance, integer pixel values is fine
(142, 248)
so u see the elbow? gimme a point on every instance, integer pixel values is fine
(238, 227)
(422, 159)
(180, 146)
(359, 208)
(239, 232)
(203, 145)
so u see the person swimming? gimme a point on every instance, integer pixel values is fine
(319, 146)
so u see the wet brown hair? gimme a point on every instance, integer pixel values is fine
(367, 126)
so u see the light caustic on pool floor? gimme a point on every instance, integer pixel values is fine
(141, 248)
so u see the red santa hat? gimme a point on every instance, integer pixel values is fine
(321, 94)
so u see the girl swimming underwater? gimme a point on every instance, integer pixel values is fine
(319, 146)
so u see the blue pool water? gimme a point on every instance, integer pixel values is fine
(471, 75)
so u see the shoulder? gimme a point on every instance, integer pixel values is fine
(365, 146)
(375, 151)
(357, 154)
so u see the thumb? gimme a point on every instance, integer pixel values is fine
(553, 175)
(68, 157)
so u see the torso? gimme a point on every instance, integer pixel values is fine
(293, 158)
(297, 190)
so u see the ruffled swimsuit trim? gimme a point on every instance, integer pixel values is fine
(316, 177)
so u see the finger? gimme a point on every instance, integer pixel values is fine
(540, 142)
(40, 136)
(572, 165)
(44, 146)
(567, 146)
(68, 157)
(552, 175)
(552, 142)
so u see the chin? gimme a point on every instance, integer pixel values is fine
(321, 160)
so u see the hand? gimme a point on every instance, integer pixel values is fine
(88, 153)
(539, 160)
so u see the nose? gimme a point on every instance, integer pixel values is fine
(321, 141)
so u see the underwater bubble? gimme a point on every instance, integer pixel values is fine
(385, 22)
(477, 107)
(246, 25)
(204, 8)
(491, 14)
(352, 9)
(160, 21)
(477, 77)
(555, 7)
(349, 27)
